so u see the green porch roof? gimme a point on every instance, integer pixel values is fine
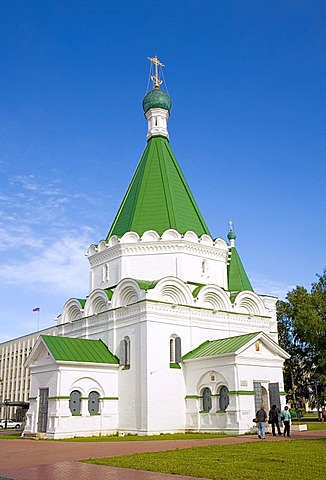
(238, 280)
(158, 197)
(220, 347)
(79, 350)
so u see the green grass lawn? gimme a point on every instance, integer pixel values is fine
(312, 425)
(136, 438)
(291, 460)
(176, 436)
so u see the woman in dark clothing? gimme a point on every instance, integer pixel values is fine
(274, 420)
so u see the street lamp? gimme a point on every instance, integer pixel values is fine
(315, 382)
(6, 403)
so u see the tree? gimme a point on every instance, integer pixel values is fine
(302, 333)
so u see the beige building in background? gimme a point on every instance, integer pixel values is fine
(14, 377)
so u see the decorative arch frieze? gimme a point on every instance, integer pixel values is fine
(97, 302)
(102, 246)
(214, 297)
(114, 240)
(191, 236)
(171, 290)
(220, 243)
(249, 302)
(72, 310)
(126, 293)
(150, 236)
(130, 237)
(171, 235)
(92, 250)
(206, 240)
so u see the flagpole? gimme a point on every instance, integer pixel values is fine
(37, 309)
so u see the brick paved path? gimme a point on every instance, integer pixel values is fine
(41, 460)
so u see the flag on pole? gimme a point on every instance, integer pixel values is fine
(37, 309)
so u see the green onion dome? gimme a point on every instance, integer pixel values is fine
(232, 235)
(157, 99)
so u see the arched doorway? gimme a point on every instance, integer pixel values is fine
(261, 397)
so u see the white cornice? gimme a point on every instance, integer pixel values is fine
(190, 244)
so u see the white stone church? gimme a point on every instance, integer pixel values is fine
(171, 336)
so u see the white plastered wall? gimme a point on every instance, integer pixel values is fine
(62, 379)
(151, 257)
(238, 373)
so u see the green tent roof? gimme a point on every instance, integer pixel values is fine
(238, 280)
(158, 197)
(220, 347)
(79, 350)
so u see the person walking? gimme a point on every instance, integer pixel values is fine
(320, 410)
(286, 418)
(274, 420)
(261, 416)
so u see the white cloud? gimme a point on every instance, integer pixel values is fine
(43, 240)
(17, 237)
(60, 266)
(267, 286)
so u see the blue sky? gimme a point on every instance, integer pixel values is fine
(247, 82)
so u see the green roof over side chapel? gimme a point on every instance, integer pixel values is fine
(79, 350)
(220, 347)
(158, 197)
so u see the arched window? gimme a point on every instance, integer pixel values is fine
(105, 272)
(224, 398)
(171, 350)
(207, 400)
(93, 403)
(125, 352)
(75, 402)
(203, 266)
(175, 349)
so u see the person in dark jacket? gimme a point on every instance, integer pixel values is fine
(273, 419)
(261, 416)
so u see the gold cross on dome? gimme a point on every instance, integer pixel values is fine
(156, 78)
